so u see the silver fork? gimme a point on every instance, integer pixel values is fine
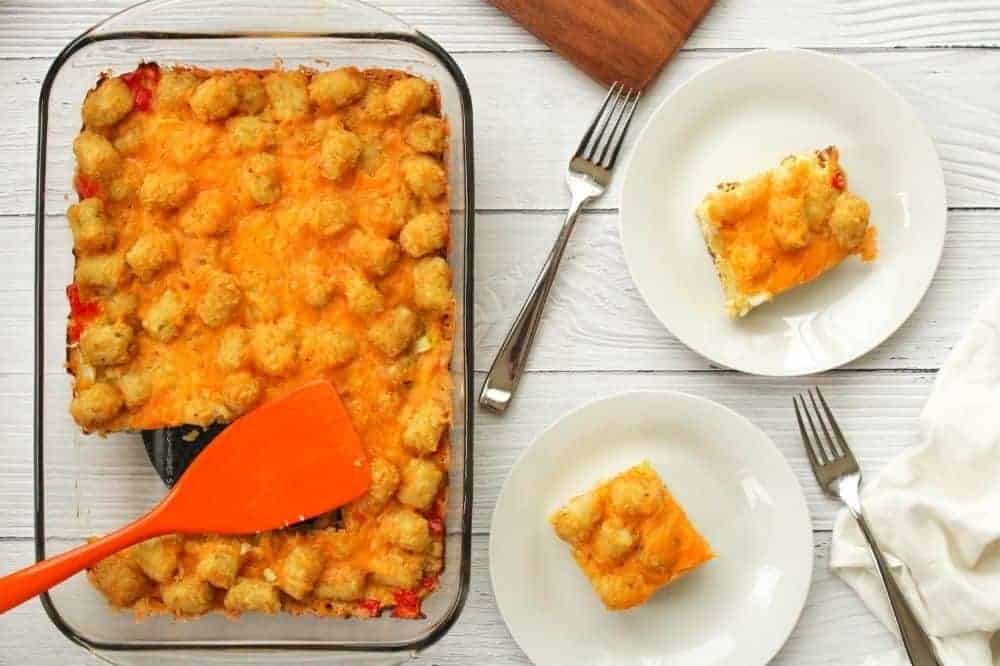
(839, 476)
(588, 177)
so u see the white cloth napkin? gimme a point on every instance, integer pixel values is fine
(936, 509)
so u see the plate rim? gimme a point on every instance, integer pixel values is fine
(939, 181)
(801, 506)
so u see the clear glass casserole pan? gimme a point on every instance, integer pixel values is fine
(85, 485)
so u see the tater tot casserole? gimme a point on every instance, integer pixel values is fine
(238, 234)
(630, 537)
(783, 228)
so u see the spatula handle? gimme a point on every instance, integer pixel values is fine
(22, 585)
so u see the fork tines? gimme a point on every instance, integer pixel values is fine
(618, 106)
(830, 447)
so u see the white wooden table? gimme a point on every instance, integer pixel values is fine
(598, 337)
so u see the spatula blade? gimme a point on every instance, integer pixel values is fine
(288, 460)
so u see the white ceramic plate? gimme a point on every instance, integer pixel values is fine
(738, 491)
(741, 117)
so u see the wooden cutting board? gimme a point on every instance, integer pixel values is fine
(611, 40)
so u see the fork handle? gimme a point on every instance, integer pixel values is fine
(505, 373)
(918, 645)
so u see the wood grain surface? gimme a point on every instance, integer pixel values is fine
(598, 337)
(612, 40)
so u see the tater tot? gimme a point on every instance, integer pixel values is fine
(215, 98)
(373, 103)
(233, 344)
(210, 214)
(395, 331)
(363, 298)
(274, 347)
(165, 190)
(316, 286)
(251, 133)
(240, 392)
(174, 89)
(106, 105)
(406, 529)
(339, 153)
(202, 411)
(163, 320)
(219, 563)
(261, 178)
(332, 90)
(218, 303)
(420, 484)
(424, 234)
(635, 495)
(188, 596)
(125, 185)
(121, 306)
(574, 521)
(386, 213)
(426, 134)
(341, 582)
(425, 176)
(300, 570)
(150, 253)
(249, 594)
(96, 405)
(119, 579)
(787, 222)
(127, 138)
(614, 540)
(190, 144)
(251, 92)
(95, 156)
(372, 253)
(326, 214)
(748, 261)
(289, 95)
(324, 347)
(849, 220)
(385, 481)
(136, 389)
(619, 590)
(92, 232)
(158, 558)
(396, 568)
(432, 284)
(407, 96)
(100, 271)
(424, 427)
(107, 344)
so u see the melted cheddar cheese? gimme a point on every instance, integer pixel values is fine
(630, 537)
(784, 228)
(240, 233)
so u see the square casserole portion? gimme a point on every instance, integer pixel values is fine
(783, 228)
(240, 233)
(630, 537)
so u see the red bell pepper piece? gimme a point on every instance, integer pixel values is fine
(142, 82)
(407, 605)
(81, 312)
(372, 606)
(86, 187)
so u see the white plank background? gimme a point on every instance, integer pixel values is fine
(598, 337)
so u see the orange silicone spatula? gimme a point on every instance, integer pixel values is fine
(289, 460)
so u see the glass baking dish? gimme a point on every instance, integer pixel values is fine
(85, 485)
